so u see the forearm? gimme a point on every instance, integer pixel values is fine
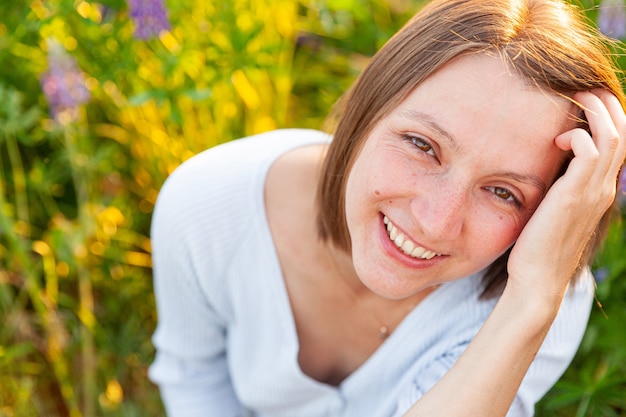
(191, 388)
(486, 378)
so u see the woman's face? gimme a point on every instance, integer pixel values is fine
(445, 183)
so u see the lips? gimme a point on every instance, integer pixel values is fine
(406, 245)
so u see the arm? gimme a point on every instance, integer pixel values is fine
(553, 358)
(194, 388)
(486, 377)
(191, 382)
(190, 366)
(544, 258)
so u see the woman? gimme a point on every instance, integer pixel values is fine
(431, 259)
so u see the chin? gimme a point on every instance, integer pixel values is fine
(394, 288)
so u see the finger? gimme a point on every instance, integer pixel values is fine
(586, 154)
(602, 124)
(616, 111)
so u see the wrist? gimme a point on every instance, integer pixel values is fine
(537, 306)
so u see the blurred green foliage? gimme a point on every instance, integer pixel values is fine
(76, 194)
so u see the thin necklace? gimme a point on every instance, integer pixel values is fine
(384, 331)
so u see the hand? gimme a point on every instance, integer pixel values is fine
(548, 251)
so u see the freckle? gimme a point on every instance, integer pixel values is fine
(376, 192)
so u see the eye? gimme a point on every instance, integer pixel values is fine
(423, 146)
(504, 194)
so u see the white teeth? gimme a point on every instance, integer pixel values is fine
(418, 252)
(406, 245)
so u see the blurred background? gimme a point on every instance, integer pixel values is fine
(101, 101)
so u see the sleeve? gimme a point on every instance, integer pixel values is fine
(553, 358)
(190, 367)
(559, 347)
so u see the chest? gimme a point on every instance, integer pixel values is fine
(335, 336)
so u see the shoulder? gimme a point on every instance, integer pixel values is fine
(225, 174)
(461, 310)
(240, 156)
(209, 199)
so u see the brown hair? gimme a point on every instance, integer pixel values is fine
(547, 42)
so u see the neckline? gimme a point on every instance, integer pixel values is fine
(287, 319)
(370, 366)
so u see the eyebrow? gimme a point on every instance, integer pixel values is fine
(526, 179)
(430, 121)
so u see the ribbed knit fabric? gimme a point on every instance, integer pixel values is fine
(226, 339)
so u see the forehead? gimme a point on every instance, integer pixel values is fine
(486, 118)
(479, 94)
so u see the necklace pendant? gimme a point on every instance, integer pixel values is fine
(383, 332)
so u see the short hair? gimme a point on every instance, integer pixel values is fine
(549, 43)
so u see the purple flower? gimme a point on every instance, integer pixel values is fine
(612, 18)
(601, 274)
(621, 186)
(63, 84)
(149, 17)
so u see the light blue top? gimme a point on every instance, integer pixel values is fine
(226, 339)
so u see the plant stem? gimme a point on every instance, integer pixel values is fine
(85, 290)
(19, 179)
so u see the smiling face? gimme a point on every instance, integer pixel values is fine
(445, 183)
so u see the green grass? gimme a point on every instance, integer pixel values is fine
(76, 197)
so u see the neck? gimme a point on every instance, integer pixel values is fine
(342, 267)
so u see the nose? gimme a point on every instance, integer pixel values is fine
(440, 210)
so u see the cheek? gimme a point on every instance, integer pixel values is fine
(494, 234)
(368, 178)
(504, 232)
(393, 175)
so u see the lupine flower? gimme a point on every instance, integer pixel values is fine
(612, 18)
(621, 186)
(63, 84)
(601, 274)
(149, 17)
